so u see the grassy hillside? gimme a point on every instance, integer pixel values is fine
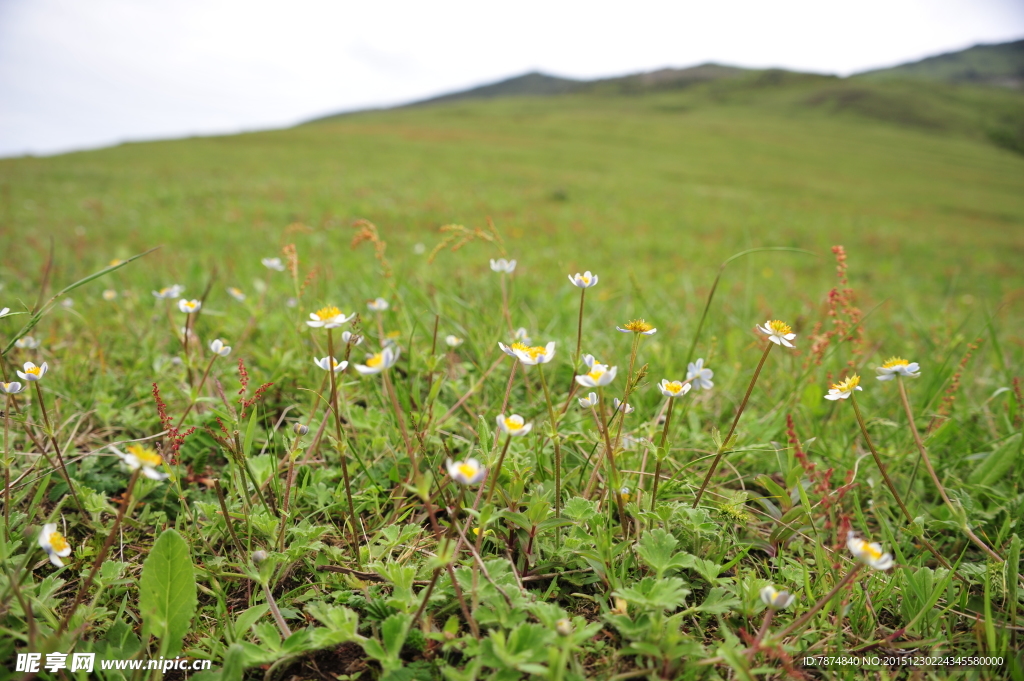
(326, 552)
(1001, 65)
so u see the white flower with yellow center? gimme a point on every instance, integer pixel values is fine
(453, 341)
(349, 337)
(868, 553)
(536, 354)
(776, 600)
(170, 292)
(328, 317)
(840, 391)
(673, 388)
(598, 374)
(502, 265)
(54, 543)
(699, 376)
(588, 402)
(521, 335)
(12, 388)
(273, 264)
(109, 295)
(67, 303)
(378, 304)
(897, 366)
(115, 262)
(189, 306)
(625, 495)
(778, 332)
(514, 425)
(638, 326)
(624, 407)
(585, 280)
(327, 363)
(385, 359)
(391, 338)
(236, 293)
(27, 343)
(468, 472)
(33, 372)
(217, 347)
(140, 457)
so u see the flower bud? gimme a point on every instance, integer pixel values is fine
(300, 429)
(563, 627)
(259, 556)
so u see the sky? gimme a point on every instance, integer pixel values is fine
(76, 75)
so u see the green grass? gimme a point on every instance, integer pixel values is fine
(652, 193)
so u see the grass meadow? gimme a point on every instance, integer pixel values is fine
(248, 507)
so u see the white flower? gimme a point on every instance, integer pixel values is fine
(514, 425)
(378, 305)
(868, 553)
(419, 249)
(236, 293)
(326, 363)
(145, 458)
(599, 374)
(502, 265)
(27, 343)
(536, 354)
(67, 303)
(169, 292)
(673, 388)
(624, 494)
(778, 332)
(54, 543)
(701, 376)
(109, 294)
(217, 347)
(585, 280)
(273, 264)
(33, 372)
(349, 337)
(291, 302)
(328, 317)
(589, 401)
(189, 306)
(12, 388)
(4, 311)
(521, 335)
(638, 326)
(390, 338)
(630, 442)
(840, 391)
(776, 600)
(385, 359)
(622, 406)
(468, 472)
(453, 341)
(897, 366)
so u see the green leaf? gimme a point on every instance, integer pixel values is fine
(994, 466)
(167, 592)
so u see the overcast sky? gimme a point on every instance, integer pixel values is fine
(76, 74)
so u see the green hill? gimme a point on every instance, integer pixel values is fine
(1001, 64)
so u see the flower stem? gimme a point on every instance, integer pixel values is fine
(508, 392)
(732, 429)
(888, 481)
(661, 452)
(558, 449)
(820, 604)
(579, 332)
(7, 470)
(935, 478)
(56, 448)
(496, 471)
(341, 451)
(199, 388)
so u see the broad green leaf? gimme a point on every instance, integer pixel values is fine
(167, 592)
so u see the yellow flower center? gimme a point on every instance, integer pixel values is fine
(376, 360)
(519, 346)
(329, 312)
(586, 280)
(115, 262)
(848, 385)
(146, 456)
(895, 362)
(674, 387)
(779, 327)
(597, 371)
(57, 542)
(467, 470)
(236, 291)
(536, 351)
(867, 548)
(35, 371)
(394, 334)
(513, 423)
(638, 326)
